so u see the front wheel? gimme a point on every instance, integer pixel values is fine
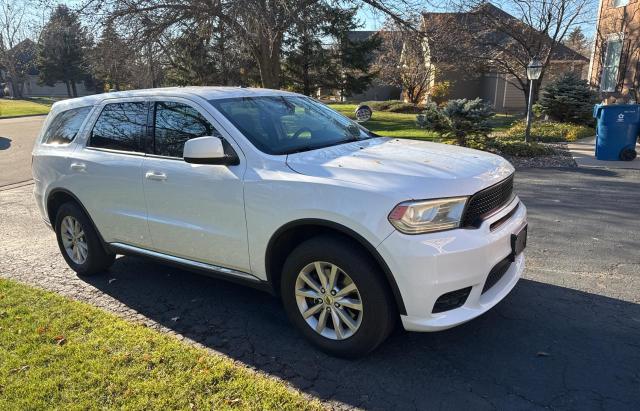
(336, 296)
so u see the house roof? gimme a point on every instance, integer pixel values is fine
(474, 22)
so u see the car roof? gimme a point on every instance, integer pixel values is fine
(207, 93)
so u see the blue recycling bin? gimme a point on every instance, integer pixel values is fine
(617, 131)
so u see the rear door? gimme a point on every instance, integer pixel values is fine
(195, 211)
(106, 172)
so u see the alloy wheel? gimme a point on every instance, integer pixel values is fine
(74, 240)
(329, 300)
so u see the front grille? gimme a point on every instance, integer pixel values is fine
(496, 273)
(487, 201)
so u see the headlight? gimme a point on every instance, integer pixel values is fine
(415, 217)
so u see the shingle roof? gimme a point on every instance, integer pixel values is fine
(473, 22)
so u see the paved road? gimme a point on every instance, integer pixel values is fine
(568, 337)
(17, 136)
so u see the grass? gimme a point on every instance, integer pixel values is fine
(404, 125)
(61, 354)
(9, 108)
(389, 124)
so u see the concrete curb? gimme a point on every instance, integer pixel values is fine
(22, 116)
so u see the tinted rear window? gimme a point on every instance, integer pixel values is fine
(121, 126)
(65, 126)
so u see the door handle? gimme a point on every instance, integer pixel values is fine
(155, 175)
(78, 166)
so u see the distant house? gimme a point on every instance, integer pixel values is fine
(615, 60)
(29, 81)
(492, 85)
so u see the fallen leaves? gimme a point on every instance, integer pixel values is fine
(60, 340)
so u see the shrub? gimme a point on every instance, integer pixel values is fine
(394, 106)
(468, 118)
(550, 131)
(440, 91)
(568, 99)
(432, 118)
(521, 149)
(462, 119)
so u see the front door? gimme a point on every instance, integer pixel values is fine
(195, 211)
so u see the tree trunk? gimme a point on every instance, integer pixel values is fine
(66, 82)
(73, 88)
(268, 58)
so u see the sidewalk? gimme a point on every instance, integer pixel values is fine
(584, 151)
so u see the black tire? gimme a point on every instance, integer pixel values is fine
(379, 313)
(97, 259)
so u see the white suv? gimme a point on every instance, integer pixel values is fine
(278, 191)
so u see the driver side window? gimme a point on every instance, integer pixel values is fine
(174, 124)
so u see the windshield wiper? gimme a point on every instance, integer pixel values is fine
(319, 146)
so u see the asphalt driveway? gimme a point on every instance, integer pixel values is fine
(17, 136)
(567, 337)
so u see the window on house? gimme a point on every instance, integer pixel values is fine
(611, 62)
(620, 3)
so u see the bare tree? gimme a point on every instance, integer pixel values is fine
(13, 18)
(260, 25)
(505, 43)
(403, 61)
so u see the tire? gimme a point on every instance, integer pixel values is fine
(374, 321)
(96, 259)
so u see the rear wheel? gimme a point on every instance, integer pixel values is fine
(336, 296)
(79, 242)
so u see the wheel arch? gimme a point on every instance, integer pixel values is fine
(289, 235)
(59, 196)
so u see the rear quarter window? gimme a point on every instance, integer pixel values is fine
(65, 126)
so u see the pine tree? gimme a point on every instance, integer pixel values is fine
(577, 41)
(61, 50)
(352, 58)
(568, 99)
(111, 59)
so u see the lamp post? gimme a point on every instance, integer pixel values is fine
(534, 69)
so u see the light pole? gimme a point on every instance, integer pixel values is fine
(534, 69)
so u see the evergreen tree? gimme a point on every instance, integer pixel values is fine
(352, 58)
(306, 63)
(61, 50)
(568, 99)
(111, 59)
(577, 41)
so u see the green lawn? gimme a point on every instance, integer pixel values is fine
(10, 108)
(61, 354)
(389, 124)
(404, 125)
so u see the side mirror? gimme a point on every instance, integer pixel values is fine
(207, 150)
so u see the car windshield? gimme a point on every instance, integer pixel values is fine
(288, 124)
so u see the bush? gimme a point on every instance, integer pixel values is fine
(550, 131)
(432, 118)
(440, 91)
(521, 149)
(568, 99)
(462, 119)
(393, 106)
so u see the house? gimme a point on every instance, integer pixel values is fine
(496, 83)
(615, 58)
(26, 76)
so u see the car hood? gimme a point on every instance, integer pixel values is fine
(414, 169)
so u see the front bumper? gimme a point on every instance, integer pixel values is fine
(428, 266)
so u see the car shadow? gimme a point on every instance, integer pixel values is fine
(543, 346)
(5, 143)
